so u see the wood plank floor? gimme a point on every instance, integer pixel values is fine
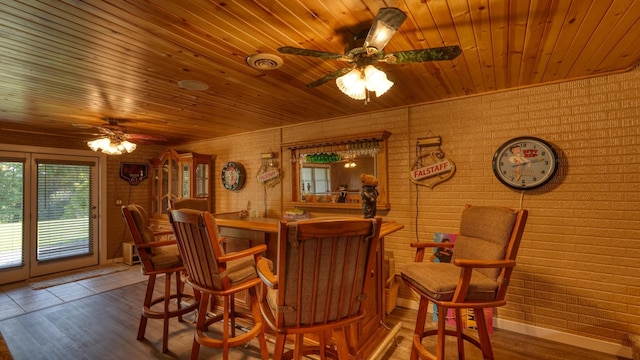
(104, 326)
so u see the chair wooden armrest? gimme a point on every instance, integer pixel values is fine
(484, 263)
(256, 250)
(265, 273)
(466, 269)
(156, 244)
(162, 232)
(421, 246)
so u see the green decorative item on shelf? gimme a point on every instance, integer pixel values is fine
(322, 157)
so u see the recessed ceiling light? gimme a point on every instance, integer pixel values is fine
(193, 85)
(264, 61)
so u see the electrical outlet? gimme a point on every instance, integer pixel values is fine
(118, 202)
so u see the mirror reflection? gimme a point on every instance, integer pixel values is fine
(335, 182)
(326, 173)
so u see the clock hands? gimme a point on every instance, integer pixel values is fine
(528, 161)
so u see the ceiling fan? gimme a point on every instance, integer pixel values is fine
(362, 57)
(114, 138)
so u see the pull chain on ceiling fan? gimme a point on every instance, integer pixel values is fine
(361, 76)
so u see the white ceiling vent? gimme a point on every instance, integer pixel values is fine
(264, 61)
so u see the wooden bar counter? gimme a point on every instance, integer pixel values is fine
(370, 334)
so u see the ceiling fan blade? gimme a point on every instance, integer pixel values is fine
(145, 137)
(307, 52)
(422, 55)
(334, 75)
(386, 23)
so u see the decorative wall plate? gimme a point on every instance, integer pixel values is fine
(525, 163)
(233, 176)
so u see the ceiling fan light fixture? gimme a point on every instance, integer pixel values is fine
(353, 84)
(111, 146)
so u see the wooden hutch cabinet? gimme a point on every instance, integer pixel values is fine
(178, 175)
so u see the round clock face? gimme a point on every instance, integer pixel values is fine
(525, 163)
(233, 176)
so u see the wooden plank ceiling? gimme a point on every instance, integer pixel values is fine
(79, 62)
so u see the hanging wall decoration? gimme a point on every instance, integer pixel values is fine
(133, 173)
(430, 167)
(269, 173)
(233, 176)
(525, 163)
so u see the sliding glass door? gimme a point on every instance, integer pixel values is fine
(13, 172)
(48, 210)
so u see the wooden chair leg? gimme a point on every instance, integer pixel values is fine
(200, 322)
(418, 333)
(225, 327)
(151, 283)
(324, 339)
(165, 317)
(442, 336)
(298, 346)
(257, 318)
(232, 313)
(459, 338)
(483, 334)
(179, 289)
(278, 350)
(341, 344)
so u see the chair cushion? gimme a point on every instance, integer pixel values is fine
(484, 235)
(191, 203)
(439, 281)
(238, 271)
(165, 257)
(139, 216)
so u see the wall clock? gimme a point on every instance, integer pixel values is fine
(525, 163)
(233, 176)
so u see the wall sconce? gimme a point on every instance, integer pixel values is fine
(111, 146)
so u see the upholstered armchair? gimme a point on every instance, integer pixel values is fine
(477, 278)
(158, 256)
(319, 285)
(213, 272)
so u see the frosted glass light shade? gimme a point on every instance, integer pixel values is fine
(376, 80)
(353, 84)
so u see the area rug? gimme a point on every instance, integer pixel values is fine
(74, 275)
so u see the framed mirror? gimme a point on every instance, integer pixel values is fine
(325, 173)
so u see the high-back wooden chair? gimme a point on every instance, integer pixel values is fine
(214, 273)
(484, 255)
(322, 272)
(157, 257)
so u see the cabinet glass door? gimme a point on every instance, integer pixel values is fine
(202, 180)
(186, 181)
